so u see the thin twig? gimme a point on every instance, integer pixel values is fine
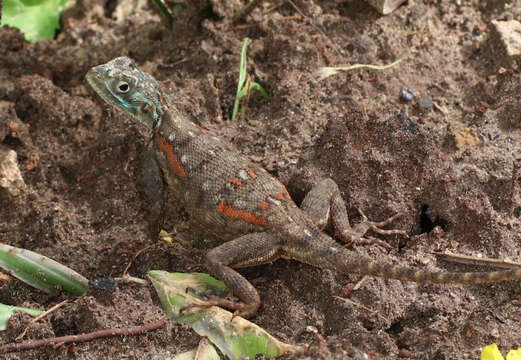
(268, 10)
(134, 259)
(360, 283)
(361, 307)
(32, 344)
(474, 260)
(245, 26)
(440, 108)
(174, 64)
(516, 175)
(327, 71)
(127, 279)
(41, 316)
(335, 47)
(245, 10)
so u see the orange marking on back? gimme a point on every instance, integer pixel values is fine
(285, 190)
(171, 156)
(252, 173)
(264, 205)
(248, 216)
(235, 181)
(281, 196)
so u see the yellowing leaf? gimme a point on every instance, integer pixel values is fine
(234, 336)
(166, 236)
(491, 352)
(514, 354)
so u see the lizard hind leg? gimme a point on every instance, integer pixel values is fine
(324, 203)
(247, 250)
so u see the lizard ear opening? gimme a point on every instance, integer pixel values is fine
(146, 109)
(149, 115)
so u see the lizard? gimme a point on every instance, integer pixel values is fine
(240, 202)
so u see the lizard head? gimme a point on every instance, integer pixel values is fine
(121, 84)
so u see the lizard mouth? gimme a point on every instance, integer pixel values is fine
(95, 81)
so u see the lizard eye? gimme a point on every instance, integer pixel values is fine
(123, 87)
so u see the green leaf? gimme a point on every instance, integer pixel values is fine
(205, 351)
(241, 92)
(37, 19)
(259, 88)
(164, 10)
(40, 271)
(6, 311)
(235, 337)
(245, 84)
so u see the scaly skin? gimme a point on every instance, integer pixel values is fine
(239, 201)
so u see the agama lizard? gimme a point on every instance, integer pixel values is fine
(242, 203)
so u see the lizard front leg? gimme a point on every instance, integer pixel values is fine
(151, 186)
(324, 202)
(247, 250)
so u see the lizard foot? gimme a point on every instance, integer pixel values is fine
(356, 236)
(242, 309)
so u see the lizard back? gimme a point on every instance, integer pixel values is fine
(222, 190)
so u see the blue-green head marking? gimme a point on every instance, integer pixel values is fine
(120, 83)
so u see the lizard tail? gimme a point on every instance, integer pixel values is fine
(422, 276)
(329, 254)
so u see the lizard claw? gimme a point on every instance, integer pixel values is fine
(241, 309)
(376, 226)
(356, 236)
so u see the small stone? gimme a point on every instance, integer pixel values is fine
(365, 43)
(425, 102)
(10, 176)
(385, 7)
(504, 43)
(404, 353)
(408, 95)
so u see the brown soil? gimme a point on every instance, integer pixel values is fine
(454, 165)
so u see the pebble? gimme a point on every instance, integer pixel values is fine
(408, 95)
(504, 43)
(10, 176)
(425, 102)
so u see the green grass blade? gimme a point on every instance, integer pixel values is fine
(259, 88)
(242, 78)
(164, 10)
(243, 62)
(40, 271)
(245, 10)
(6, 311)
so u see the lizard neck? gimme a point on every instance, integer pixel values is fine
(172, 124)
